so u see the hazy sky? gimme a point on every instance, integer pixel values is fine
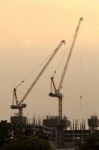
(29, 31)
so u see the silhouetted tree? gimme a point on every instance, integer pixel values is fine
(91, 143)
(17, 137)
(5, 132)
(27, 143)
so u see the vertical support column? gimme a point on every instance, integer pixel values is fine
(60, 107)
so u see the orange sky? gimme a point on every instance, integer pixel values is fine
(29, 31)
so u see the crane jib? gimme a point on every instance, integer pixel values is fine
(70, 52)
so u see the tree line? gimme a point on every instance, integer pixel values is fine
(14, 137)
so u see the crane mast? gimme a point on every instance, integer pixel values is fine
(19, 104)
(57, 93)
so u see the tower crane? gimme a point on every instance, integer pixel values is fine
(19, 104)
(57, 92)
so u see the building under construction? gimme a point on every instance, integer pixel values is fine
(55, 121)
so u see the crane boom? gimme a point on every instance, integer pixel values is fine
(70, 52)
(41, 72)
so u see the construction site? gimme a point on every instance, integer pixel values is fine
(59, 130)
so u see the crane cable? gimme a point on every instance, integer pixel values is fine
(32, 72)
(59, 64)
(57, 68)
